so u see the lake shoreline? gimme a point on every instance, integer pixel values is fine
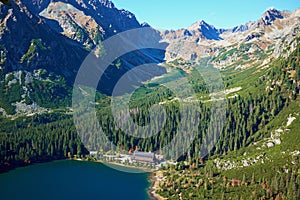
(151, 190)
(144, 169)
(63, 179)
(7, 167)
(152, 178)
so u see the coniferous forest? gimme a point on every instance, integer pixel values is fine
(222, 105)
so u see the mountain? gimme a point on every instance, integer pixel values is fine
(270, 16)
(254, 42)
(49, 40)
(100, 17)
(27, 42)
(253, 153)
(241, 28)
(203, 30)
(54, 37)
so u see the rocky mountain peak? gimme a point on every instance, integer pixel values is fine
(103, 13)
(256, 41)
(145, 24)
(270, 15)
(273, 11)
(38, 5)
(242, 28)
(107, 3)
(202, 22)
(204, 30)
(200, 25)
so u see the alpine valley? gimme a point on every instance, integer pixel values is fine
(256, 147)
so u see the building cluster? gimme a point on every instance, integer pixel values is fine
(135, 157)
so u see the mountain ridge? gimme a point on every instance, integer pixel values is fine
(193, 43)
(101, 11)
(54, 37)
(41, 51)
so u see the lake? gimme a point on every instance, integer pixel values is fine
(72, 180)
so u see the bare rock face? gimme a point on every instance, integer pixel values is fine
(274, 34)
(204, 31)
(29, 43)
(56, 36)
(74, 24)
(269, 16)
(103, 12)
(242, 28)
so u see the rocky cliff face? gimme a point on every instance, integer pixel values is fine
(43, 42)
(57, 35)
(73, 23)
(103, 12)
(269, 17)
(254, 43)
(46, 41)
(28, 42)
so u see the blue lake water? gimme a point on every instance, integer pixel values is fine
(72, 180)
